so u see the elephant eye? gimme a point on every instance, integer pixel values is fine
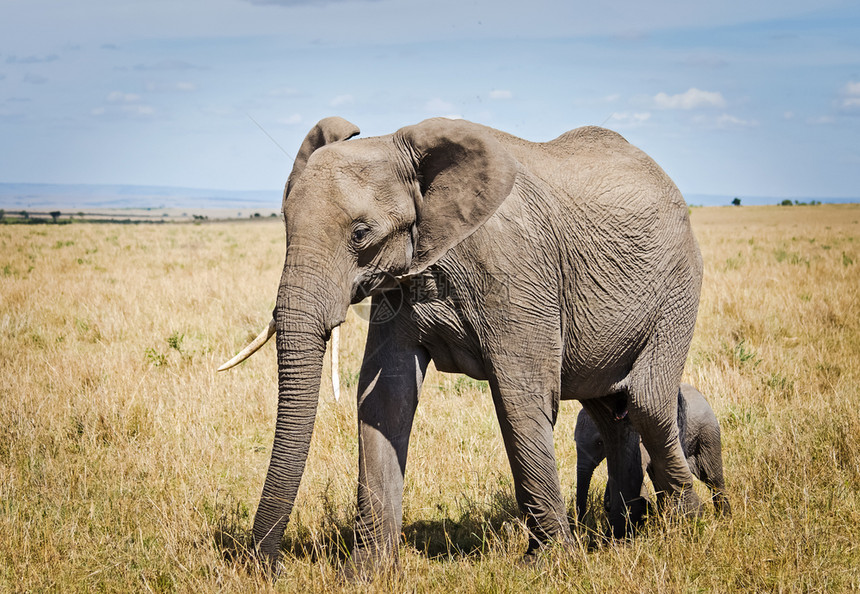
(360, 233)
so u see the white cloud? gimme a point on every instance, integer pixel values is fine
(724, 122)
(127, 110)
(630, 119)
(500, 94)
(852, 89)
(612, 98)
(144, 111)
(730, 121)
(342, 100)
(119, 104)
(850, 100)
(692, 99)
(32, 59)
(120, 97)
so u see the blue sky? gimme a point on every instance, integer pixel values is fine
(737, 97)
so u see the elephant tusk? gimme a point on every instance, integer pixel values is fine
(252, 348)
(335, 375)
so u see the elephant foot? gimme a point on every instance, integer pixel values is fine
(269, 564)
(267, 553)
(722, 506)
(627, 522)
(365, 565)
(539, 553)
(531, 558)
(684, 504)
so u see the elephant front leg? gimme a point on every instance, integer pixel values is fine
(526, 422)
(389, 384)
(382, 464)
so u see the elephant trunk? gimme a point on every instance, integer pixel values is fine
(583, 482)
(302, 332)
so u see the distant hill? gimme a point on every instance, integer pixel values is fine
(22, 196)
(88, 196)
(726, 200)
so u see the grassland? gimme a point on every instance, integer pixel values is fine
(127, 464)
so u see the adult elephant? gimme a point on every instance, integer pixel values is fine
(557, 270)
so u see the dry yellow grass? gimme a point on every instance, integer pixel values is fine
(127, 464)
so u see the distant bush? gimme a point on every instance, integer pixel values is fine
(788, 202)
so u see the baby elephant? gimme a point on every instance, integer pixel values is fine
(700, 439)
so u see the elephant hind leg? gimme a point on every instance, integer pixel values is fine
(710, 464)
(622, 498)
(721, 503)
(670, 474)
(653, 409)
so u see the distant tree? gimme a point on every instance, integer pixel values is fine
(2, 214)
(256, 215)
(25, 215)
(786, 202)
(736, 201)
(55, 215)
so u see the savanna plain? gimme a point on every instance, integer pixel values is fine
(128, 464)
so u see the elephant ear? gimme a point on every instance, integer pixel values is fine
(326, 131)
(464, 175)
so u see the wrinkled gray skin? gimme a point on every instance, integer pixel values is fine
(556, 270)
(699, 431)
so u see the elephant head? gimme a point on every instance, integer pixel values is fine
(359, 215)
